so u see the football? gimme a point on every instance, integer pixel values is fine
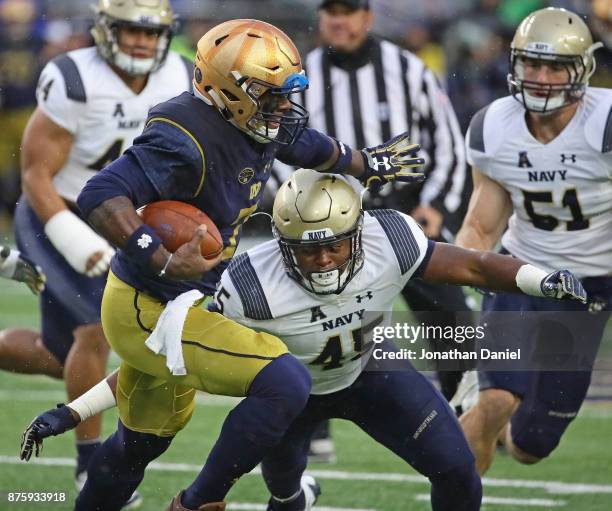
(175, 223)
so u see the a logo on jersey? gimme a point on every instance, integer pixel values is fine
(144, 241)
(546, 175)
(316, 314)
(369, 295)
(245, 175)
(119, 110)
(568, 157)
(523, 160)
(343, 320)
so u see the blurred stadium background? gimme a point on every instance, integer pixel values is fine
(465, 42)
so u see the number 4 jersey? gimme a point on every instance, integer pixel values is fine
(561, 191)
(330, 334)
(81, 93)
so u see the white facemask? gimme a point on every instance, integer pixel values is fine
(537, 104)
(133, 65)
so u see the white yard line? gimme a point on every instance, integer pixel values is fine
(248, 506)
(553, 487)
(503, 501)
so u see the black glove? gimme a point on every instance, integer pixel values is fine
(563, 284)
(16, 266)
(50, 423)
(391, 161)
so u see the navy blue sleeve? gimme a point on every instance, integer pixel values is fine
(164, 163)
(310, 150)
(418, 274)
(122, 178)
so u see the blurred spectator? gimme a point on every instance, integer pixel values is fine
(418, 39)
(477, 61)
(600, 18)
(21, 43)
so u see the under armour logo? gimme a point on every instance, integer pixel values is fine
(571, 157)
(144, 241)
(119, 110)
(381, 162)
(369, 295)
(523, 160)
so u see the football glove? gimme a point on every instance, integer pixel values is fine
(50, 423)
(562, 284)
(391, 161)
(14, 265)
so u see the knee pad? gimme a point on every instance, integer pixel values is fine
(285, 380)
(461, 480)
(542, 418)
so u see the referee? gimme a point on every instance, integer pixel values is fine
(364, 90)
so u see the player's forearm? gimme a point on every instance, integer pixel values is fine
(41, 194)
(116, 219)
(453, 265)
(353, 166)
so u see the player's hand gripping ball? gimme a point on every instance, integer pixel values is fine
(176, 222)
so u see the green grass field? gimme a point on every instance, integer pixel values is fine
(578, 477)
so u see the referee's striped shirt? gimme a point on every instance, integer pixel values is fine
(389, 92)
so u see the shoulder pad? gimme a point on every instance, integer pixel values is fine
(75, 89)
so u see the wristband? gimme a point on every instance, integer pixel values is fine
(344, 159)
(97, 399)
(142, 244)
(529, 280)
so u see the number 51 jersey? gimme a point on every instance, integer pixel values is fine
(81, 93)
(561, 191)
(329, 334)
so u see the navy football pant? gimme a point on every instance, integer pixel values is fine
(70, 299)
(551, 399)
(399, 408)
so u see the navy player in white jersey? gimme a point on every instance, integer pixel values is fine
(330, 268)
(544, 181)
(92, 103)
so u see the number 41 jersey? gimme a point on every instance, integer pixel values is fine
(329, 334)
(561, 191)
(81, 93)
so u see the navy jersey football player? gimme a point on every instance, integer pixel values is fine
(565, 221)
(331, 276)
(212, 148)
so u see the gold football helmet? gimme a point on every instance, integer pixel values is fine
(314, 209)
(112, 15)
(248, 69)
(559, 38)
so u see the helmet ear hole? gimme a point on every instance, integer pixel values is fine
(229, 95)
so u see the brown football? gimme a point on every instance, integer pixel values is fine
(175, 223)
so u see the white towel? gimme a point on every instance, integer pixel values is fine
(166, 338)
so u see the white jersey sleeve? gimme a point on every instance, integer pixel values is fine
(57, 99)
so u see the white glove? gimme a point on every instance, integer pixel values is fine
(77, 242)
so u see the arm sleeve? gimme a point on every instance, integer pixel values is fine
(310, 150)
(447, 170)
(53, 100)
(163, 163)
